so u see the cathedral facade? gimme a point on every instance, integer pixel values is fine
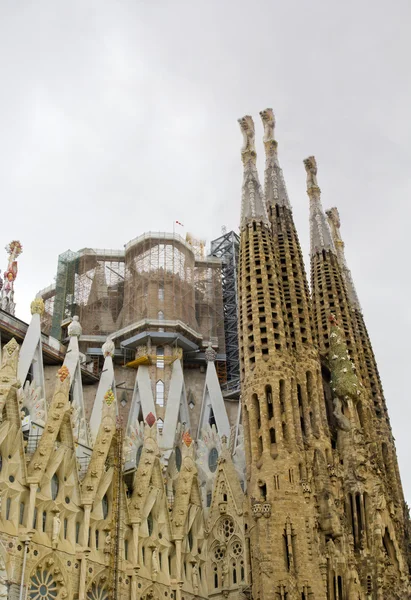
(177, 425)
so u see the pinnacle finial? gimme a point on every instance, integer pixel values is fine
(311, 169)
(37, 306)
(74, 329)
(247, 129)
(268, 119)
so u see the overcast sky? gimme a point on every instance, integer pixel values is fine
(120, 117)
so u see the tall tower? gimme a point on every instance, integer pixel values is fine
(279, 391)
(364, 463)
(326, 515)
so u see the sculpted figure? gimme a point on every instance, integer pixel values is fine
(247, 129)
(342, 421)
(195, 578)
(107, 544)
(154, 563)
(354, 588)
(311, 168)
(3, 579)
(268, 119)
(56, 529)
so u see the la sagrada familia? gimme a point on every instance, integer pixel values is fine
(180, 425)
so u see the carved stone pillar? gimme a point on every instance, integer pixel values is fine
(135, 555)
(32, 504)
(83, 575)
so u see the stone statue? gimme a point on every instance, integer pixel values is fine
(247, 129)
(224, 574)
(354, 587)
(3, 579)
(154, 564)
(107, 544)
(342, 421)
(268, 119)
(56, 529)
(194, 576)
(311, 168)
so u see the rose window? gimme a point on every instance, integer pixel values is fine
(97, 592)
(43, 586)
(226, 528)
(219, 553)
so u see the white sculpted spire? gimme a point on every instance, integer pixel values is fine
(335, 224)
(319, 230)
(274, 184)
(253, 206)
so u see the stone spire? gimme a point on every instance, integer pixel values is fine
(294, 292)
(274, 184)
(319, 231)
(253, 204)
(334, 222)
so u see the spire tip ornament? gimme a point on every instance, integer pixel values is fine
(37, 306)
(74, 329)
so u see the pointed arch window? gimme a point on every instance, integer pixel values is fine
(55, 484)
(178, 458)
(150, 524)
(213, 459)
(160, 425)
(160, 317)
(104, 506)
(160, 392)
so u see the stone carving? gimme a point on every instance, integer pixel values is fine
(56, 529)
(194, 577)
(311, 169)
(74, 329)
(3, 579)
(154, 564)
(210, 353)
(354, 587)
(343, 422)
(8, 370)
(268, 119)
(37, 306)
(107, 544)
(247, 129)
(108, 348)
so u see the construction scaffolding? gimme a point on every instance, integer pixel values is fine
(157, 282)
(159, 279)
(226, 248)
(90, 284)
